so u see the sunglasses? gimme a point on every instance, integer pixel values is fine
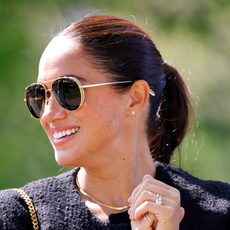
(67, 91)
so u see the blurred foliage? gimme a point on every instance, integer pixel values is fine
(191, 35)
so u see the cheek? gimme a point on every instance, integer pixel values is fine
(103, 108)
(96, 112)
(108, 115)
(102, 113)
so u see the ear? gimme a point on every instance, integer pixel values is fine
(139, 95)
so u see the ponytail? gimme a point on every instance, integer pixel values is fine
(172, 118)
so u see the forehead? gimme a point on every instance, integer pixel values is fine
(59, 48)
(63, 56)
(62, 44)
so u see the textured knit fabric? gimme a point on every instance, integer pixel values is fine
(59, 206)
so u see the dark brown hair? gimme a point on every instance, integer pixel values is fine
(124, 51)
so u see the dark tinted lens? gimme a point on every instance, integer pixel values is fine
(67, 93)
(35, 99)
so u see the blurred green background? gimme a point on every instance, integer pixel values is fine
(194, 36)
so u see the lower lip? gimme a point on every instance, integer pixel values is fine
(64, 140)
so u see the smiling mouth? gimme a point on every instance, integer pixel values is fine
(65, 133)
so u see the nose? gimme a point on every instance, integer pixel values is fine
(52, 111)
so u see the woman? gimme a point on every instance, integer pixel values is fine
(113, 108)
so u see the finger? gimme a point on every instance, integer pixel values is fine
(146, 207)
(146, 176)
(146, 186)
(138, 187)
(152, 219)
(149, 216)
(141, 197)
(142, 223)
(159, 188)
(158, 211)
(148, 192)
(158, 183)
(164, 216)
(149, 197)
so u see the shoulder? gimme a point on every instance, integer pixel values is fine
(51, 191)
(205, 202)
(185, 181)
(51, 184)
(14, 213)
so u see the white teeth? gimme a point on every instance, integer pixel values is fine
(65, 133)
(68, 132)
(59, 134)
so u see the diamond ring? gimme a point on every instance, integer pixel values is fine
(159, 199)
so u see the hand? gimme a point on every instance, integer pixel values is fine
(166, 216)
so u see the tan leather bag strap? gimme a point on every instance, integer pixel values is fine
(30, 206)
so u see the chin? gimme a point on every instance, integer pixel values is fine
(63, 159)
(63, 163)
(67, 158)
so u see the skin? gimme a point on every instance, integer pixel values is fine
(111, 145)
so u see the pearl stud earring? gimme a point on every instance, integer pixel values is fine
(133, 112)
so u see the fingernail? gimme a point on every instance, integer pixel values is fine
(129, 211)
(146, 176)
(130, 199)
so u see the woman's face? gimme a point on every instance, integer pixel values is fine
(97, 127)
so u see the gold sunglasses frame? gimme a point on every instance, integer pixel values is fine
(80, 86)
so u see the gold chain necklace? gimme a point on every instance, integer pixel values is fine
(100, 202)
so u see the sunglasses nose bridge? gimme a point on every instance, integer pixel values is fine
(48, 94)
(48, 90)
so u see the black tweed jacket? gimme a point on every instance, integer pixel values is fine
(59, 206)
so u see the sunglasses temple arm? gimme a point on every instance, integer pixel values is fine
(101, 84)
(151, 93)
(113, 83)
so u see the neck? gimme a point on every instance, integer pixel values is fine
(113, 183)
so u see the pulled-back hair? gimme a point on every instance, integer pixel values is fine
(124, 51)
